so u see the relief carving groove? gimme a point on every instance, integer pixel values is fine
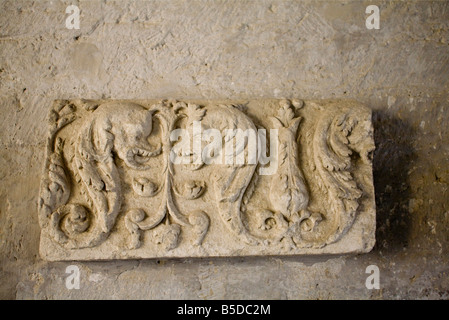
(143, 179)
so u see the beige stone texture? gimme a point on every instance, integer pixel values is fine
(152, 179)
(235, 51)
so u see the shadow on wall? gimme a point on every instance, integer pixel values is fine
(392, 161)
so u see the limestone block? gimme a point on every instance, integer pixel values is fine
(147, 179)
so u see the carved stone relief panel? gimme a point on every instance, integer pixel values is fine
(146, 179)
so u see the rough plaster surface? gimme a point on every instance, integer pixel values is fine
(236, 50)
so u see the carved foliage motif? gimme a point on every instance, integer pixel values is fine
(114, 174)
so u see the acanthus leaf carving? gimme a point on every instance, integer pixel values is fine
(115, 178)
(288, 195)
(332, 150)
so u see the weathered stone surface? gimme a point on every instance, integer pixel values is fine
(204, 49)
(143, 179)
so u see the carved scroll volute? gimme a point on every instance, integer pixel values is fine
(232, 180)
(340, 134)
(287, 216)
(55, 186)
(168, 221)
(288, 220)
(111, 171)
(112, 128)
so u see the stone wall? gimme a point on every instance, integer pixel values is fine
(236, 50)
